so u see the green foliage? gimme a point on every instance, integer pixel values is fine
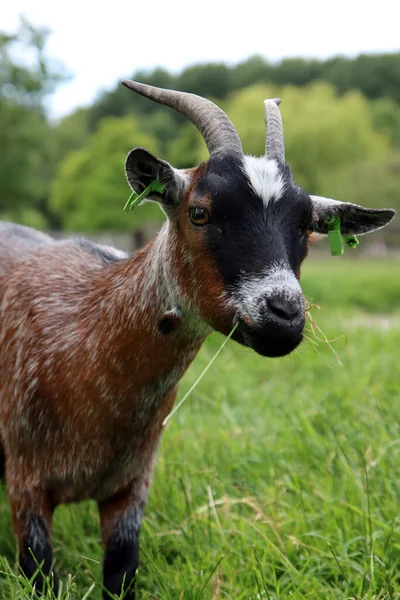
(121, 101)
(212, 80)
(386, 118)
(250, 72)
(24, 152)
(322, 131)
(90, 189)
(188, 149)
(375, 76)
(162, 126)
(50, 177)
(26, 144)
(278, 478)
(70, 133)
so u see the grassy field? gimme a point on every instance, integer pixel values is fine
(277, 478)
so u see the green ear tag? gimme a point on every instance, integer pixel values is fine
(351, 241)
(335, 236)
(135, 199)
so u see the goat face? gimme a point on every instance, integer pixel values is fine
(238, 227)
(256, 238)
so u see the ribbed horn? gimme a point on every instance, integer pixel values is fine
(214, 125)
(275, 145)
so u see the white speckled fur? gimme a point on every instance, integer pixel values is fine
(252, 292)
(129, 525)
(73, 324)
(36, 533)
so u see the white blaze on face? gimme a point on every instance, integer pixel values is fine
(264, 177)
(253, 291)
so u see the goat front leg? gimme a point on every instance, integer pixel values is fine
(32, 513)
(121, 518)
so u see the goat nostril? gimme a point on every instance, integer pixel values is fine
(283, 309)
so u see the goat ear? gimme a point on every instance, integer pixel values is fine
(354, 219)
(141, 168)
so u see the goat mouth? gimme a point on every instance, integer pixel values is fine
(267, 344)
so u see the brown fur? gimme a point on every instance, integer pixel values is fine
(88, 376)
(70, 413)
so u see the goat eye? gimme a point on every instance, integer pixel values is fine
(198, 216)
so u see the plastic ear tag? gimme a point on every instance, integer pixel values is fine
(351, 241)
(335, 236)
(135, 199)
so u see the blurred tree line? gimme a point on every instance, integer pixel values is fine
(341, 117)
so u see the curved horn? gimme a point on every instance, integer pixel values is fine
(275, 145)
(214, 125)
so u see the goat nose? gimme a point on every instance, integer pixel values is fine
(284, 309)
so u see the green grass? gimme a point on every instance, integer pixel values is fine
(277, 478)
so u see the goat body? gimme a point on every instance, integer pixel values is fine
(87, 375)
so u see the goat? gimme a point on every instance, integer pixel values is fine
(93, 342)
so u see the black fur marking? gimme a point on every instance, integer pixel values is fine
(36, 552)
(245, 236)
(170, 321)
(166, 325)
(98, 251)
(121, 558)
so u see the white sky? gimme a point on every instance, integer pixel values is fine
(102, 42)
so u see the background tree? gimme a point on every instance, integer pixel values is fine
(322, 130)
(28, 82)
(90, 188)
(375, 76)
(341, 117)
(386, 118)
(26, 144)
